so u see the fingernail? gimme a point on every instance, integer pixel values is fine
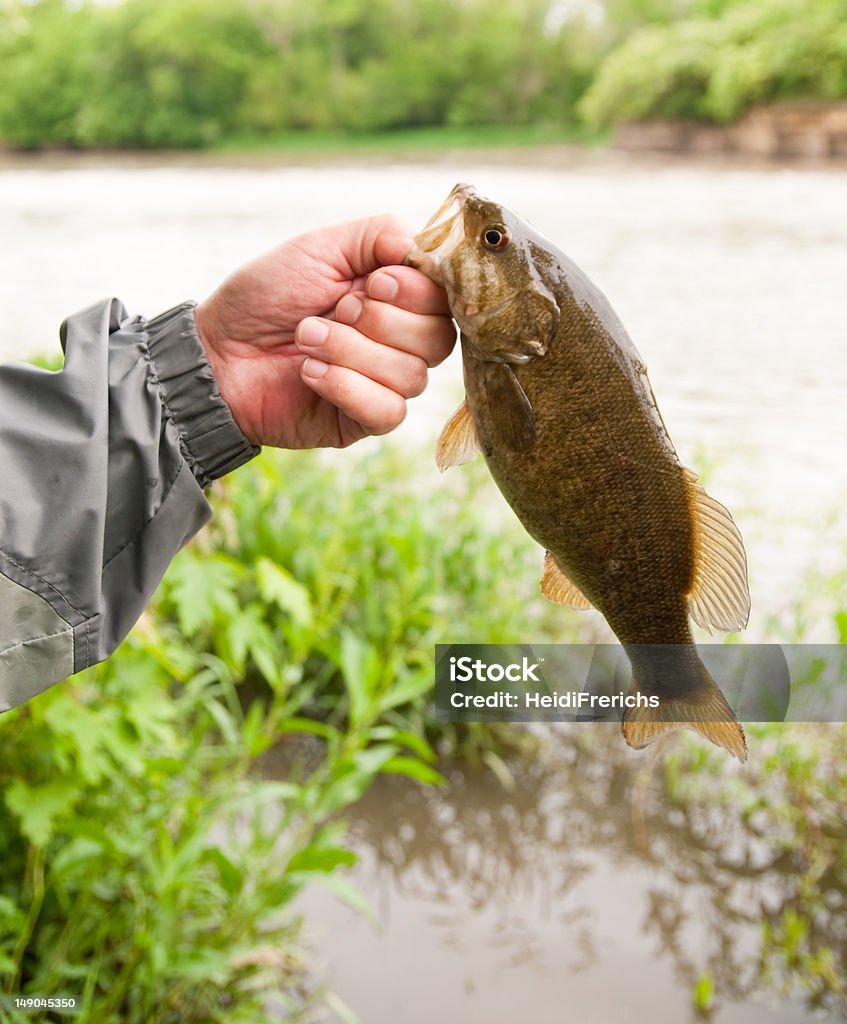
(348, 310)
(314, 368)
(382, 287)
(312, 332)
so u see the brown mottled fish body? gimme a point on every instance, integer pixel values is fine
(559, 402)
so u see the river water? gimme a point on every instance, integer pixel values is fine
(542, 904)
(581, 895)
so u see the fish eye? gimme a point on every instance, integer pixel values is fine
(495, 237)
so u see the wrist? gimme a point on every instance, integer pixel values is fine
(209, 335)
(210, 436)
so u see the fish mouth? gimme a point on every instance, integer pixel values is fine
(444, 231)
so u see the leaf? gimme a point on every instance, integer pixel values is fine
(343, 791)
(245, 631)
(316, 859)
(704, 992)
(499, 767)
(231, 876)
(407, 691)
(359, 665)
(328, 732)
(404, 738)
(373, 759)
(279, 587)
(202, 588)
(255, 740)
(414, 769)
(223, 720)
(37, 807)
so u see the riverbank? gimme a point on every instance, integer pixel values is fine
(426, 145)
(658, 145)
(779, 131)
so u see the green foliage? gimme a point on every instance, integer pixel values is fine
(144, 861)
(193, 72)
(186, 73)
(170, 74)
(716, 65)
(46, 56)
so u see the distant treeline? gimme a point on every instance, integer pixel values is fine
(196, 72)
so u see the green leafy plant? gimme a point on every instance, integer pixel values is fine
(726, 57)
(145, 862)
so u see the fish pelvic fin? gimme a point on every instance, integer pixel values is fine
(719, 597)
(557, 587)
(704, 711)
(458, 442)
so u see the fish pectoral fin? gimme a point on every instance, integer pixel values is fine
(558, 588)
(458, 442)
(719, 596)
(510, 412)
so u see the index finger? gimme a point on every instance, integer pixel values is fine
(409, 289)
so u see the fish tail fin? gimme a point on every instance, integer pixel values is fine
(704, 710)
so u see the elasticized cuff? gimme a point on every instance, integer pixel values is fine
(211, 441)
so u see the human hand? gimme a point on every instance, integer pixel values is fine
(321, 341)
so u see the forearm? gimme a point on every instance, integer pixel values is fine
(102, 470)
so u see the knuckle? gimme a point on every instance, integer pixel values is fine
(392, 415)
(377, 316)
(417, 378)
(391, 222)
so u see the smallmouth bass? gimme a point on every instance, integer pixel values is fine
(558, 401)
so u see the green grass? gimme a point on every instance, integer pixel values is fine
(410, 141)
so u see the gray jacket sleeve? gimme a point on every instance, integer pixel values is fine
(102, 470)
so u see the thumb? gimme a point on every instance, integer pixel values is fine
(373, 242)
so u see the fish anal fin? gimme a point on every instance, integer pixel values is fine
(705, 712)
(719, 597)
(458, 442)
(558, 588)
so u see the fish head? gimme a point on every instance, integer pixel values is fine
(491, 263)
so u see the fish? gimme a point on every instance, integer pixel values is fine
(558, 400)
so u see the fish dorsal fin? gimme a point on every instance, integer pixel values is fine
(719, 597)
(512, 418)
(458, 442)
(558, 588)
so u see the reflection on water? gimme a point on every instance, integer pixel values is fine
(586, 894)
